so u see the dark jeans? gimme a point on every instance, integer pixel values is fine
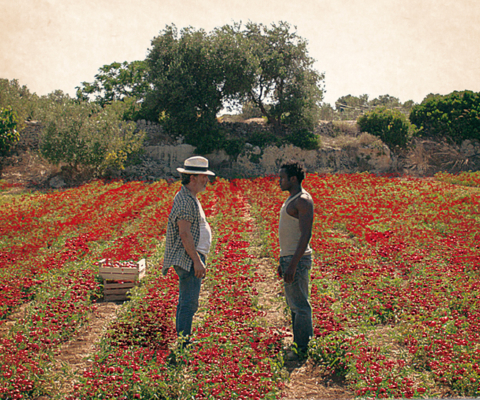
(189, 292)
(296, 294)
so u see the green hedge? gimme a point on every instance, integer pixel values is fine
(455, 116)
(304, 138)
(391, 126)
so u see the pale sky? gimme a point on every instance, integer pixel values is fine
(404, 48)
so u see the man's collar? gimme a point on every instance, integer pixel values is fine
(187, 190)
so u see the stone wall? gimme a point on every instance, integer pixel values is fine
(428, 157)
(338, 154)
(162, 161)
(424, 158)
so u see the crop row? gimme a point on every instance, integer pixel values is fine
(50, 243)
(394, 289)
(230, 355)
(394, 283)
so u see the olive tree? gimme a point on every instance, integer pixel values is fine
(194, 74)
(116, 81)
(283, 75)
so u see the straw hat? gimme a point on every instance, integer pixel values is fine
(195, 165)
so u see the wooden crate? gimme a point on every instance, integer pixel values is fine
(118, 280)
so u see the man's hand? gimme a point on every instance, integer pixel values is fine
(289, 274)
(200, 270)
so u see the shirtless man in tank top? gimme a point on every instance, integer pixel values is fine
(295, 231)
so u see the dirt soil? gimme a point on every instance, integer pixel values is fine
(74, 355)
(306, 380)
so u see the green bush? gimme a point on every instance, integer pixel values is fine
(87, 138)
(391, 126)
(233, 147)
(263, 139)
(206, 137)
(304, 138)
(8, 130)
(455, 116)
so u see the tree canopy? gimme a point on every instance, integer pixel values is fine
(283, 75)
(351, 107)
(116, 81)
(194, 74)
(19, 98)
(191, 73)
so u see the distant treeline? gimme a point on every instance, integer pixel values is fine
(189, 76)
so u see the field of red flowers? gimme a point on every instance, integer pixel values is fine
(395, 289)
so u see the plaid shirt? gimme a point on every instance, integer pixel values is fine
(184, 207)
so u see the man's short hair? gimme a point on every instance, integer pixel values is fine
(186, 179)
(294, 168)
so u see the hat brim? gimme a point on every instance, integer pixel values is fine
(190, 172)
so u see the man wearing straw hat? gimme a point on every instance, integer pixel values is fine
(188, 240)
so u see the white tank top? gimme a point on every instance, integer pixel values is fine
(289, 229)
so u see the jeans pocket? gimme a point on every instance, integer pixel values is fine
(182, 273)
(284, 262)
(305, 263)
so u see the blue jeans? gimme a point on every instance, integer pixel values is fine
(188, 294)
(296, 294)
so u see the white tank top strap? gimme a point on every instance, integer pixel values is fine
(293, 198)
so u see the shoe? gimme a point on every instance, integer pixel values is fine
(296, 355)
(292, 356)
(171, 359)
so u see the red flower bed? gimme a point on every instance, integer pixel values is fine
(230, 356)
(398, 253)
(60, 232)
(394, 288)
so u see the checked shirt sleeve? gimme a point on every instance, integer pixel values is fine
(185, 210)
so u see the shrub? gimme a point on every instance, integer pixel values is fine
(206, 137)
(233, 147)
(304, 138)
(391, 126)
(455, 116)
(19, 98)
(263, 139)
(8, 130)
(87, 138)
